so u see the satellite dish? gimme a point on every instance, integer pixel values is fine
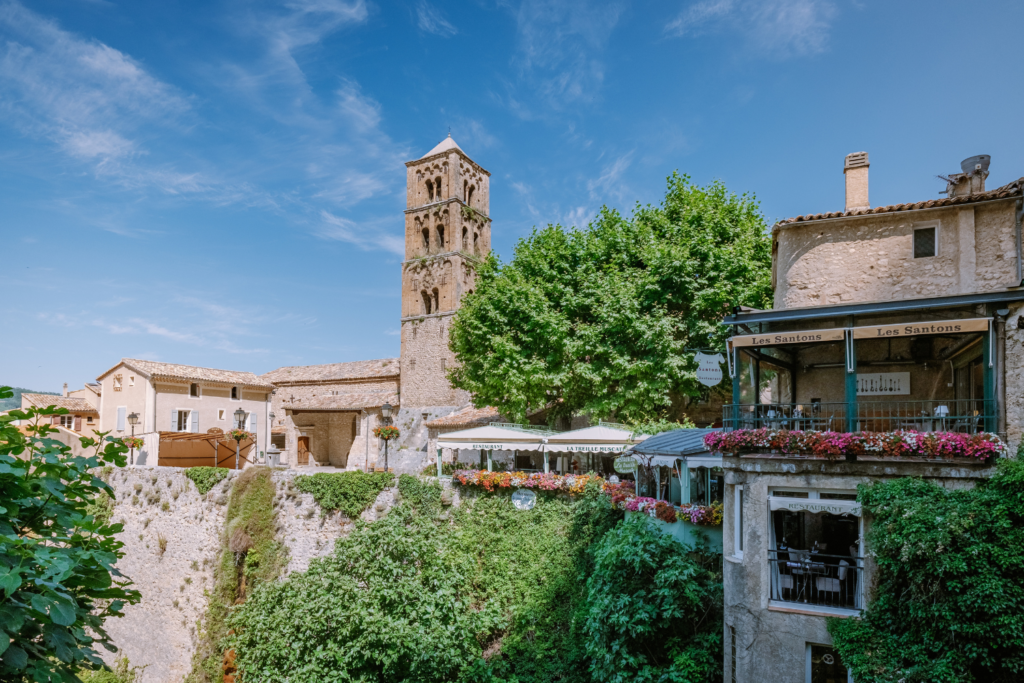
(968, 165)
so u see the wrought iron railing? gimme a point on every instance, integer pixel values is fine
(805, 578)
(532, 429)
(967, 416)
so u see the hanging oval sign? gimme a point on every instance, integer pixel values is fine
(709, 368)
(524, 499)
(625, 465)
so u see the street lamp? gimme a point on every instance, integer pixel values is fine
(385, 411)
(133, 420)
(266, 458)
(240, 419)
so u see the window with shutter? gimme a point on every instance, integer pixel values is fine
(174, 421)
(194, 418)
(78, 423)
(121, 412)
(252, 422)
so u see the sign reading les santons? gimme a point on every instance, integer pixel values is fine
(914, 329)
(777, 338)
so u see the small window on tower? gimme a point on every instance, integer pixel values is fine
(440, 237)
(426, 302)
(476, 243)
(426, 238)
(430, 190)
(465, 239)
(925, 244)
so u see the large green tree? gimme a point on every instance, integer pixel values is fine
(57, 551)
(948, 599)
(601, 320)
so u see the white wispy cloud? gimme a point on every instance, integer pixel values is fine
(430, 20)
(560, 46)
(609, 183)
(364, 236)
(84, 96)
(778, 28)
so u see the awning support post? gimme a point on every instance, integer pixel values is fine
(490, 460)
(851, 383)
(439, 470)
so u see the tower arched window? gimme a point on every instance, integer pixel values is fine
(465, 239)
(437, 188)
(426, 302)
(426, 239)
(465, 189)
(440, 237)
(476, 243)
(469, 197)
(430, 190)
(437, 300)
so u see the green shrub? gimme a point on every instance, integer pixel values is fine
(349, 492)
(101, 508)
(57, 579)
(948, 599)
(422, 597)
(205, 478)
(424, 497)
(654, 608)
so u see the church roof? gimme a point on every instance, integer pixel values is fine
(443, 146)
(360, 369)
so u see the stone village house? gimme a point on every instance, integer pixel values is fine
(169, 397)
(897, 317)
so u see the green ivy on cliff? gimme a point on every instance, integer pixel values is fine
(349, 492)
(251, 556)
(205, 478)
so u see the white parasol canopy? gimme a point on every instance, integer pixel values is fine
(598, 439)
(491, 438)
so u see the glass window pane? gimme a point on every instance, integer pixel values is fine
(826, 666)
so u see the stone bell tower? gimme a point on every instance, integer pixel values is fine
(447, 233)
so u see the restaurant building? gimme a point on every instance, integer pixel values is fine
(895, 319)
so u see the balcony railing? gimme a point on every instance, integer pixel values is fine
(805, 578)
(967, 416)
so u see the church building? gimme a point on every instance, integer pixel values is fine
(325, 414)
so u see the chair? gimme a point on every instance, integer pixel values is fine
(827, 584)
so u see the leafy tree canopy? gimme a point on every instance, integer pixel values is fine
(598, 321)
(57, 578)
(948, 604)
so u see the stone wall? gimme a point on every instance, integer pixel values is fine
(1014, 377)
(426, 359)
(872, 258)
(161, 631)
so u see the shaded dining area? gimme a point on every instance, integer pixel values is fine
(815, 552)
(912, 371)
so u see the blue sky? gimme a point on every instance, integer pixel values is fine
(222, 183)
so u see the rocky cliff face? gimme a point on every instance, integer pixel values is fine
(173, 538)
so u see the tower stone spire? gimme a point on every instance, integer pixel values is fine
(447, 233)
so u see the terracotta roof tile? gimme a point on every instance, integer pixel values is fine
(155, 370)
(74, 405)
(360, 369)
(1006, 191)
(467, 417)
(353, 401)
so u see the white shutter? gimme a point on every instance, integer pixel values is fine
(252, 422)
(121, 410)
(193, 416)
(174, 420)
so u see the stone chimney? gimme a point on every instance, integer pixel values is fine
(65, 394)
(856, 171)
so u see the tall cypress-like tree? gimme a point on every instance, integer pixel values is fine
(601, 320)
